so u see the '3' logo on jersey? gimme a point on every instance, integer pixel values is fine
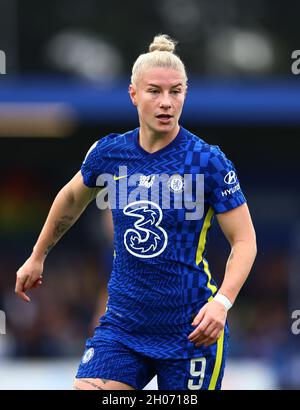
(146, 239)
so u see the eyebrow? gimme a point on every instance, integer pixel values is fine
(158, 86)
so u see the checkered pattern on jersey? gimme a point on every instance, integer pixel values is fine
(156, 294)
(221, 195)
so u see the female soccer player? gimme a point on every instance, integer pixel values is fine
(165, 315)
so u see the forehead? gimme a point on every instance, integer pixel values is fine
(162, 77)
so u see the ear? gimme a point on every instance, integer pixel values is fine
(132, 93)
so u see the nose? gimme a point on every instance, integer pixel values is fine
(165, 102)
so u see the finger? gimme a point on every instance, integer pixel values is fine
(19, 289)
(30, 282)
(217, 335)
(211, 339)
(200, 343)
(19, 285)
(23, 296)
(198, 317)
(206, 342)
(199, 331)
(37, 284)
(209, 327)
(209, 331)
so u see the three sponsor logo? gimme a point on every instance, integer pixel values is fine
(145, 238)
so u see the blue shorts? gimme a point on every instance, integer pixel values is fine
(116, 355)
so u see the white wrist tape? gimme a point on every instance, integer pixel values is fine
(224, 300)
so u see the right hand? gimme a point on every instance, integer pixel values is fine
(29, 276)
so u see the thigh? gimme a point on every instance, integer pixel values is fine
(110, 362)
(203, 371)
(100, 384)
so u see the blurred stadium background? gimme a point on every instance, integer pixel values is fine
(67, 72)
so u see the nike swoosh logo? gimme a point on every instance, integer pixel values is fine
(122, 176)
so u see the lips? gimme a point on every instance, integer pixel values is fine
(164, 116)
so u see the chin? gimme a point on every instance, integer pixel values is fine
(165, 128)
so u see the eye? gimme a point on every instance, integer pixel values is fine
(176, 91)
(154, 91)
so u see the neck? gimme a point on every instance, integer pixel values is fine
(152, 141)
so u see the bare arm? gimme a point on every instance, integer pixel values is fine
(239, 231)
(68, 205)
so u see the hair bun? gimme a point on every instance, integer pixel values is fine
(162, 42)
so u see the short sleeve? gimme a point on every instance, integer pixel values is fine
(89, 166)
(222, 187)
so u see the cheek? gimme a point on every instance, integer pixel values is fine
(143, 110)
(147, 106)
(179, 105)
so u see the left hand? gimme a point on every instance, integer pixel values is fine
(210, 322)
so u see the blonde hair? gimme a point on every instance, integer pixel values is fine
(161, 54)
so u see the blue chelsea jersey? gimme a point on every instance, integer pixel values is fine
(163, 205)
